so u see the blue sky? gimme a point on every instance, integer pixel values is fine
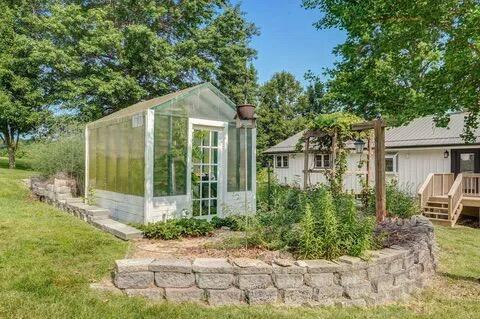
(288, 41)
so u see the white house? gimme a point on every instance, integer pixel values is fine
(420, 156)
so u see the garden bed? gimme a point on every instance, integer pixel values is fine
(385, 275)
(216, 245)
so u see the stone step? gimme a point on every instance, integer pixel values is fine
(72, 200)
(118, 229)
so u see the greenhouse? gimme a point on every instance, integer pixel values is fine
(183, 154)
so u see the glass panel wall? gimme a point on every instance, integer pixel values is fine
(170, 155)
(237, 150)
(116, 156)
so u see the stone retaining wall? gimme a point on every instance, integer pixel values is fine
(387, 275)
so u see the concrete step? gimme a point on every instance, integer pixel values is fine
(118, 229)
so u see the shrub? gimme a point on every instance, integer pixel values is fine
(400, 202)
(309, 243)
(192, 227)
(235, 223)
(162, 230)
(60, 152)
(176, 228)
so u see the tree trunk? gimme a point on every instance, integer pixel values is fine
(11, 156)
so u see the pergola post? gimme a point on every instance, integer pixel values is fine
(378, 126)
(305, 161)
(380, 188)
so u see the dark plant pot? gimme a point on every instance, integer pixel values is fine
(246, 111)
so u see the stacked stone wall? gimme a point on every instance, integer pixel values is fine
(388, 275)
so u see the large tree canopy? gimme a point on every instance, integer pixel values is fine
(114, 53)
(24, 81)
(281, 102)
(405, 59)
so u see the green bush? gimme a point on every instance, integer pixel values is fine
(176, 228)
(400, 202)
(314, 224)
(60, 152)
(162, 230)
(192, 227)
(235, 223)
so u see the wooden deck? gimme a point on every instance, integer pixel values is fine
(443, 197)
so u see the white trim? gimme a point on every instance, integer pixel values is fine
(222, 128)
(87, 163)
(394, 158)
(149, 141)
(282, 156)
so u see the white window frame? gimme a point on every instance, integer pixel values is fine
(394, 158)
(282, 160)
(322, 160)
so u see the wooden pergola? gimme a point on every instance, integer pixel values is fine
(378, 125)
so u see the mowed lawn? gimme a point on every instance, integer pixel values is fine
(48, 259)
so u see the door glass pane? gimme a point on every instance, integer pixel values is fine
(467, 161)
(205, 172)
(205, 205)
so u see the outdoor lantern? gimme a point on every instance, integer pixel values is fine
(446, 154)
(359, 145)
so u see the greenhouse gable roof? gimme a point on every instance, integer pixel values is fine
(145, 105)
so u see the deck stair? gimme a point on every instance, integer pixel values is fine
(442, 196)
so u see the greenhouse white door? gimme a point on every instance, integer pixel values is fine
(207, 181)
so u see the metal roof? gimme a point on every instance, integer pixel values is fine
(420, 132)
(145, 105)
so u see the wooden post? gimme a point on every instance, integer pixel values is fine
(369, 161)
(380, 190)
(334, 151)
(305, 162)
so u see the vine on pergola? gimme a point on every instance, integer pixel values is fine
(329, 133)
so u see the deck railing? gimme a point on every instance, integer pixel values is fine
(436, 184)
(471, 183)
(455, 196)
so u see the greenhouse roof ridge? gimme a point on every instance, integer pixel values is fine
(145, 105)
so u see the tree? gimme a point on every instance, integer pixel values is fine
(315, 93)
(279, 111)
(114, 53)
(405, 59)
(23, 78)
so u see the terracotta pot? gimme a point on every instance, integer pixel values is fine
(246, 111)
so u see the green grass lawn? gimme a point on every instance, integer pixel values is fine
(48, 259)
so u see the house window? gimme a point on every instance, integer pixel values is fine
(281, 161)
(391, 163)
(322, 161)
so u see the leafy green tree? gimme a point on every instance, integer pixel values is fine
(281, 101)
(315, 93)
(113, 53)
(405, 59)
(24, 81)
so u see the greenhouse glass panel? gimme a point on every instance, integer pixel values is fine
(92, 153)
(200, 103)
(170, 155)
(236, 159)
(100, 158)
(136, 163)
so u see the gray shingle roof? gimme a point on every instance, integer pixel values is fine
(419, 132)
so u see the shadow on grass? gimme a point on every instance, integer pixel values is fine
(21, 164)
(458, 277)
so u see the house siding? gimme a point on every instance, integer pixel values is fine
(412, 169)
